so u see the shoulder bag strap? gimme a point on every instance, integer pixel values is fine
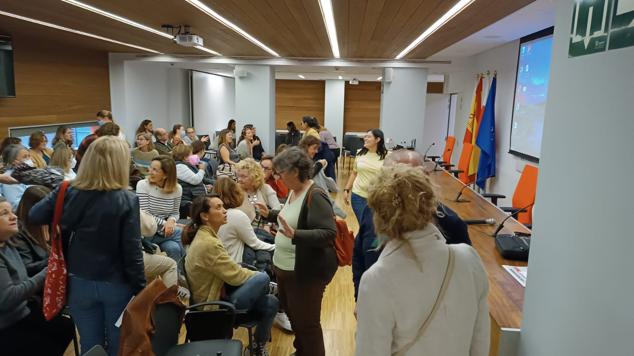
(434, 309)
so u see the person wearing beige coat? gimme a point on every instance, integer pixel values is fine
(398, 293)
(213, 275)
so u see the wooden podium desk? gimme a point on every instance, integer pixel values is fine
(506, 295)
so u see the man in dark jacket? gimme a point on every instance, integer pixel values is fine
(365, 244)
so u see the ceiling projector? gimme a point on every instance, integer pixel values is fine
(188, 40)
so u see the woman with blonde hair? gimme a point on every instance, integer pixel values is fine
(251, 178)
(422, 296)
(104, 261)
(160, 196)
(64, 159)
(144, 152)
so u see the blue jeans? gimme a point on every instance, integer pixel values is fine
(95, 306)
(171, 245)
(358, 204)
(253, 296)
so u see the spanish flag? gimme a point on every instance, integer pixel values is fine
(471, 133)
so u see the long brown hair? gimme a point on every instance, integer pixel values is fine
(199, 205)
(168, 166)
(229, 192)
(32, 195)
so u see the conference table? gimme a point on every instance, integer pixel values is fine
(506, 295)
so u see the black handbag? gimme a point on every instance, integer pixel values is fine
(513, 247)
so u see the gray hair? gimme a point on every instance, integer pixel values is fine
(410, 158)
(10, 153)
(294, 158)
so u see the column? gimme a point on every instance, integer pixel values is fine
(403, 100)
(333, 108)
(578, 300)
(255, 101)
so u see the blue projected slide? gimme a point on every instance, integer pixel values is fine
(531, 93)
(80, 130)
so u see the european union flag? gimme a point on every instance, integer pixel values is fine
(486, 139)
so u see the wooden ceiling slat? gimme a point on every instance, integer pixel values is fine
(293, 28)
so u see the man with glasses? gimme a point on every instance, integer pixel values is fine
(190, 136)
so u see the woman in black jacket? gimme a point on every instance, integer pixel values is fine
(293, 136)
(102, 241)
(305, 260)
(23, 330)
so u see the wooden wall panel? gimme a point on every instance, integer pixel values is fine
(297, 98)
(435, 87)
(362, 107)
(55, 83)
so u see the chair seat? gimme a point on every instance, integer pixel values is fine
(207, 348)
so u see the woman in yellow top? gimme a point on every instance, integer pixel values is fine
(310, 127)
(209, 267)
(367, 166)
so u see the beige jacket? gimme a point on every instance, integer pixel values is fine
(398, 292)
(209, 267)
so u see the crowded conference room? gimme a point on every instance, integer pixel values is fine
(316, 177)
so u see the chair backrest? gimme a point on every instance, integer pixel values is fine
(463, 163)
(449, 143)
(210, 324)
(352, 143)
(167, 326)
(525, 193)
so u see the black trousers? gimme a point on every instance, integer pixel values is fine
(34, 335)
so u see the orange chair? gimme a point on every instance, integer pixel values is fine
(524, 196)
(446, 155)
(463, 164)
(449, 143)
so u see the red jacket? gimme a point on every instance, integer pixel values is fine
(278, 186)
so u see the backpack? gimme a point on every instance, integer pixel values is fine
(344, 241)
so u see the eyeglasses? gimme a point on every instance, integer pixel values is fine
(267, 168)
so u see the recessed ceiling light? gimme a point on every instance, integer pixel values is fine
(340, 77)
(208, 50)
(329, 20)
(211, 13)
(130, 22)
(379, 78)
(455, 10)
(301, 76)
(51, 25)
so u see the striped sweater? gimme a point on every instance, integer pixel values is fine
(160, 205)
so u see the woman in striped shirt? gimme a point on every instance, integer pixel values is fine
(160, 196)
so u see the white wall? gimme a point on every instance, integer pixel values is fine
(146, 90)
(255, 102)
(334, 107)
(436, 121)
(578, 299)
(403, 106)
(213, 101)
(502, 59)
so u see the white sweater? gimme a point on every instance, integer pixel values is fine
(186, 175)
(398, 292)
(237, 232)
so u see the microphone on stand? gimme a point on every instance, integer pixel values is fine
(457, 200)
(489, 221)
(427, 151)
(508, 217)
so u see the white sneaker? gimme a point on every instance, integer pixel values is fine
(281, 320)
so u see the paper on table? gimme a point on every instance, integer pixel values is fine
(120, 320)
(519, 273)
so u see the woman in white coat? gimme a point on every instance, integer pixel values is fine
(422, 297)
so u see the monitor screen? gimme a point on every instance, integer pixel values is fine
(79, 129)
(531, 94)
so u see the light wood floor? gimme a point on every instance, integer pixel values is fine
(337, 318)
